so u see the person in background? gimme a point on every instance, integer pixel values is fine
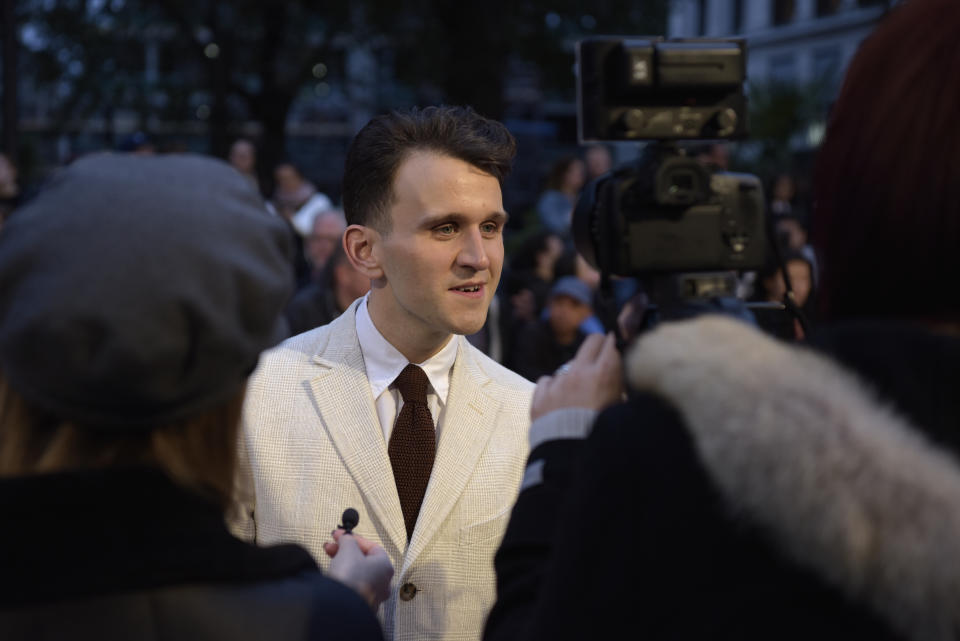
(790, 232)
(597, 160)
(771, 287)
(326, 235)
(526, 286)
(299, 203)
(243, 157)
(533, 270)
(544, 345)
(563, 184)
(131, 315)
(783, 195)
(305, 217)
(9, 188)
(291, 190)
(330, 295)
(571, 263)
(762, 490)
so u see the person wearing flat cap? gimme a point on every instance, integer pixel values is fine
(546, 344)
(136, 294)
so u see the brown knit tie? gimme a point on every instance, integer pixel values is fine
(412, 444)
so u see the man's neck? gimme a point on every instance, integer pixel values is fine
(414, 347)
(342, 299)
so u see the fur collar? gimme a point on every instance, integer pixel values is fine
(804, 448)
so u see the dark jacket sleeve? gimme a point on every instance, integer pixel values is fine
(630, 538)
(551, 583)
(527, 545)
(340, 613)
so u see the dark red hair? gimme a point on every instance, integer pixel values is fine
(887, 185)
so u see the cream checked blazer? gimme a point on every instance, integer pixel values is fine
(312, 446)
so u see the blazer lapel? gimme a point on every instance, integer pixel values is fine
(342, 396)
(468, 422)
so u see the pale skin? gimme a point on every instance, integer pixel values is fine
(243, 156)
(360, 564)
(348, 285)
(434, 271)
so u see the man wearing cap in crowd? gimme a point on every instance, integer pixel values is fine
(548, 343)
(136, 294)
(389, 409)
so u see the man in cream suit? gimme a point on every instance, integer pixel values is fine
(422, 196)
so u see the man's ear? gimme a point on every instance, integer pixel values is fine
(358, 243)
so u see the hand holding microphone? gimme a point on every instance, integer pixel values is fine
(358, 562)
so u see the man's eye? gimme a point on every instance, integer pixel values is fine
(489, 228)
(445, 229)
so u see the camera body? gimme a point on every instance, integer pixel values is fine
(668, 213)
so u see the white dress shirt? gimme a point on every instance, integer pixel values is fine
(384, 363)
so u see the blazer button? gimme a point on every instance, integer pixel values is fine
(408, 591)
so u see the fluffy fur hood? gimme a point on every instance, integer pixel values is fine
(805, 449)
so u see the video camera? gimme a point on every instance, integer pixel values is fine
(669, 217)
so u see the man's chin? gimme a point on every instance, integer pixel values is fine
(468, 327)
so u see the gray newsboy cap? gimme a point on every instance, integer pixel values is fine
(139, 290)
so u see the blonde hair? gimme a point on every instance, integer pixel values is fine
(198, 452)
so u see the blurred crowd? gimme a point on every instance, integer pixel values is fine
(760, 490)
(549, 297)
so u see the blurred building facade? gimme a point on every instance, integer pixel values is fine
(790, 41)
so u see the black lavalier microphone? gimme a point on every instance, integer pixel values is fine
(350, 519)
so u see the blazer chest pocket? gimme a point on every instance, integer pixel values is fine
(482, 531)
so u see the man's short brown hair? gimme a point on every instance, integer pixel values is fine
(382, 145)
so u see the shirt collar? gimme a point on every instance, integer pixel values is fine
(384, 362)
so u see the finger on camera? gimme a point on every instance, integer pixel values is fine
(589, 350)
(609, 355)
(609, 369)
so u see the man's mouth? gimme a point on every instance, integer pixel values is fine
(473, 290)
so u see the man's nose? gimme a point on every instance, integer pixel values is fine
(473, 252)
